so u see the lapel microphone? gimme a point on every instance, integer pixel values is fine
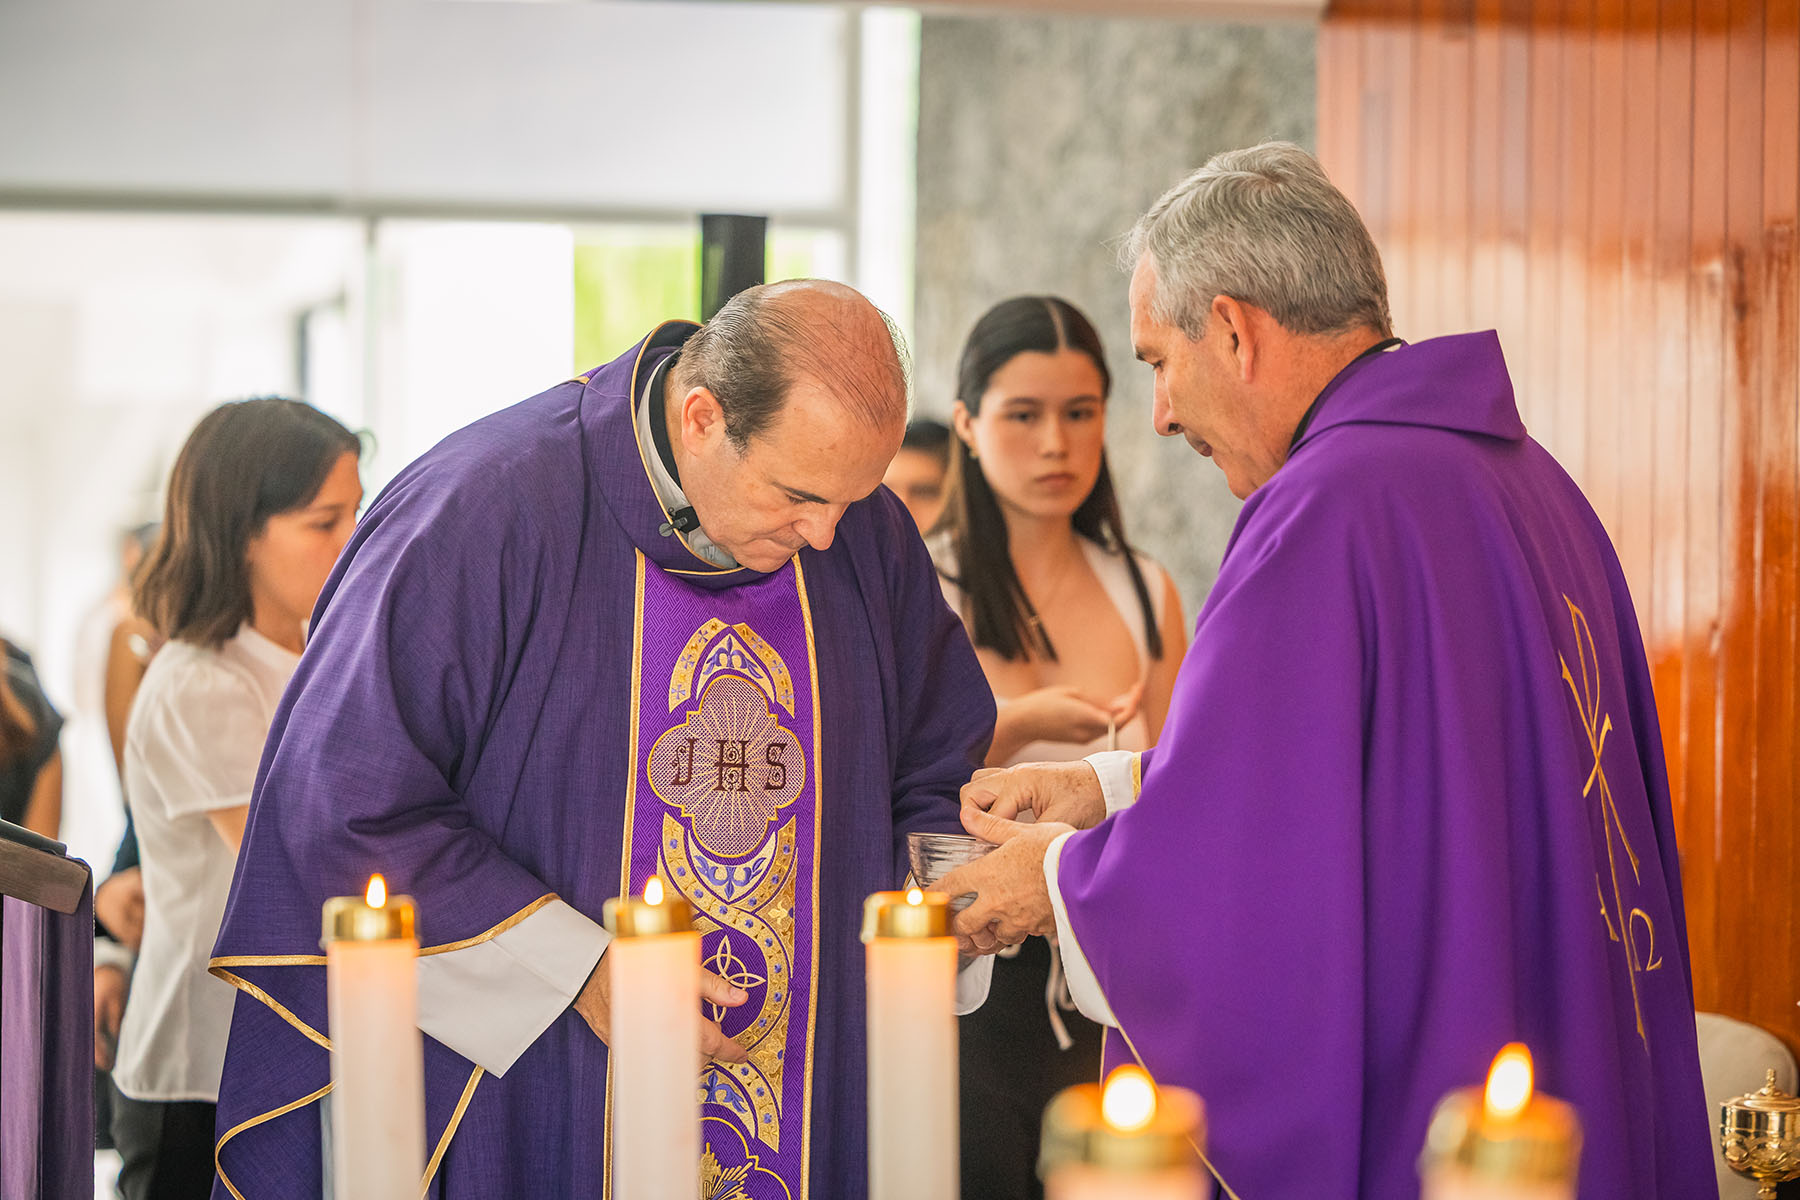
(682, 520)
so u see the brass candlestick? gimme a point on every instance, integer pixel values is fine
(1759, 1134)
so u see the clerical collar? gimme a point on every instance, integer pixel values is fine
(651, 424)
(1312, 410)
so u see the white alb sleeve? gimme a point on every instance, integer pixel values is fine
(1118, 772)
(1083, 984)
(972, 982)
(490, 1001)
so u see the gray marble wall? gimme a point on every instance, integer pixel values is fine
(1040, 141)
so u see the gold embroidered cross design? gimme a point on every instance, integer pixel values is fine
(722, 1183)
(1584, 689)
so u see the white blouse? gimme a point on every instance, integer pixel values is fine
(192, 747)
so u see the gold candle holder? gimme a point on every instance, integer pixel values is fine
(650, 915)
(1759, 1135)
(1506, 1137)
(373, 916)
(909, 914)
(1127, 1137)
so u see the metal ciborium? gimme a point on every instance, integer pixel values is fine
(1759, 1134)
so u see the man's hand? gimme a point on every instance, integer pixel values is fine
(1068, 792)
(119, 905)
(110, 985)
(595, 1006)
(1012, 901)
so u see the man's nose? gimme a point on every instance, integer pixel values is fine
(1162, 416)
(819, 529)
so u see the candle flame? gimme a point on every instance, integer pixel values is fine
(1509, 1081)
(376, 896)
(653, 891)
(915, 897)
(1128, 1102)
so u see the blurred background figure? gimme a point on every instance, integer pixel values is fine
(1079, 637)
(263, 497)
(918, 472)
(30, 763)
(113, 646)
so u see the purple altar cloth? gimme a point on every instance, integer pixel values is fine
(46, 1051)
(1410, 804)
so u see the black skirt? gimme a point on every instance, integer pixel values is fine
(1011, 1067)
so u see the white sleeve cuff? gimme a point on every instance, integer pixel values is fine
(1118, 772)
(972, 982)
(490, 1001)
(1083, 984)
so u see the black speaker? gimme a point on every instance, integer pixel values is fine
(733, 249)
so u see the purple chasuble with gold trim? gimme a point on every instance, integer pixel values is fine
(517, 688)
(1409, 805)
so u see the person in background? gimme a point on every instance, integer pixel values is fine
(112, 653)
(1079, 638)
(118, 932)
(112, 649)
(917, 473)
(30, 763)
(263, 496)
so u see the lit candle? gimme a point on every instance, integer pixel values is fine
(911, 984)
(1506, 1141)
(377, 1058)
(655, 965)
(1128, 1140)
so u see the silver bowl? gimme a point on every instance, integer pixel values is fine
(935, 855)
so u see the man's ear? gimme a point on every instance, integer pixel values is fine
(702, 420)
(1238, 333)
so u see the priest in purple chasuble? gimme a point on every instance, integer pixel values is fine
(660, 619)
(1410, 801)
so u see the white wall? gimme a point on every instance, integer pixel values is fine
(118, 331)
(527, 108)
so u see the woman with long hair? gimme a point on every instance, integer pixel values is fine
(263, 496)
(30, 763)
(1080, 638)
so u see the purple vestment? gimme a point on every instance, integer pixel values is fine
(1409, 805)
(504, 666)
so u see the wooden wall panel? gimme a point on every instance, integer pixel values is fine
(1614, 185)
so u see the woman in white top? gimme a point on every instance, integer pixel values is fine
(263, 497)
(1080, 639)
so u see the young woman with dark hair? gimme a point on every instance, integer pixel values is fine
(1079, 637)
(30, 763)
(263, 497)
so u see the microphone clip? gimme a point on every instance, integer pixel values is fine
(680, 521)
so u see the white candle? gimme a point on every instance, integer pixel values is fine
(1502, 1142)
(655, 963)
(911, 983)
(1127, 1141)
(377, 1057)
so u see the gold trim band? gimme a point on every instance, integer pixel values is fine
(490, 934)
(281, 1010)
(462, 1106)
(318, 960)
(219, 1148)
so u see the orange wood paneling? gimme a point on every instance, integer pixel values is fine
(1615, 186)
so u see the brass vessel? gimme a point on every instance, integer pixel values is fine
(1759, 1134)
